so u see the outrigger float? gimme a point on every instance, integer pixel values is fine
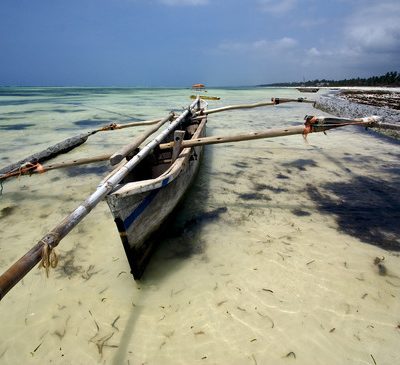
(146, 186)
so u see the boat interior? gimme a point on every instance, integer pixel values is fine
(159, 161)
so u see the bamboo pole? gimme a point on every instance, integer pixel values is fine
(73, 142)
(279, 132)
(312, 125)
(113, 126)
(70, 144)
(126, 150)
(274, 101)
(20, 268)
(118, 156)
(55, 166)
(208, 140)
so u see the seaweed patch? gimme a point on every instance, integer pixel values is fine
(300, 212)
(240, 164)
(85, 170)
(91, 122)
(259, 187)
(254, 196)
(282, 177)
(7, 211)
(16, 127)
(301, 164)
(364, 207)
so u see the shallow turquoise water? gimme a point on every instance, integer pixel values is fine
(270, 260)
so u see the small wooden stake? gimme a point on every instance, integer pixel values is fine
(178, 139)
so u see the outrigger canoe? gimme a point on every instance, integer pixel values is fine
(147, 196)
(143, 191)
(308, 89)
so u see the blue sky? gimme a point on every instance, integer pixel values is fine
(181, 42)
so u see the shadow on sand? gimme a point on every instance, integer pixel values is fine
(366, 207)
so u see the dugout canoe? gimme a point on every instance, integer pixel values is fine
(148, 195)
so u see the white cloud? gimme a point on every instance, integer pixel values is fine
(277, 6)
(370, 39)
(262, 45)
(376, 29)
(184, 2)
(285, 43)
(314, 52)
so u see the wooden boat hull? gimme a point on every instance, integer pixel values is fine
(140, 208)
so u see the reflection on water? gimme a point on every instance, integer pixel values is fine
(283, 251)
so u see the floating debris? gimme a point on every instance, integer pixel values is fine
(37, 348)
(381, 268)
(114, 322)
(291, 354)
(6, 211)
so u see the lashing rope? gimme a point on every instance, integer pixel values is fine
(109, 127)
(24, 169)
(49, 257)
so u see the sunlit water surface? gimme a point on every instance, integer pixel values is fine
(271, 259)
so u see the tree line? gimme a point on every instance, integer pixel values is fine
(391, 78)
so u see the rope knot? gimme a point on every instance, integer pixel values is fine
(28, 168)
(49, 256)
(310, 121)
(110, 127)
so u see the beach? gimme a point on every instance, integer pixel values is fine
(285, 250)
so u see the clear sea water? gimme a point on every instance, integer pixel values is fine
(272, 258)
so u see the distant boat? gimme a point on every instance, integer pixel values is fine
(198, 86)
(307, 89)
(202, 87)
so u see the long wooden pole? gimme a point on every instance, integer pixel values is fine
(126, 150)
(44, 168)
(274, 101)
(73, 142)
(208, 140)
(20, 268)
(114, 159)
(319, 124)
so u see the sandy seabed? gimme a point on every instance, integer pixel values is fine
(287, 251)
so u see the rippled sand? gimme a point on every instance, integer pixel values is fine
(271, 260)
